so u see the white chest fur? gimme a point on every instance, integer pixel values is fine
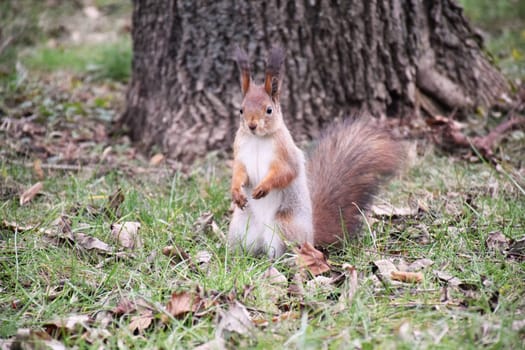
(256, 153)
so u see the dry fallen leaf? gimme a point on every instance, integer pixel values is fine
(30, 193)
(175, 252)
(235, 319)
(141, 322)
(383, 270)
(448, 278)
(127, 234)
(156, 159)
(182, 303)
(312, 259)
(124, 306)
(273, 276)
(95, 334)
(202, 258)
(497, 241)
(419, 265)
(409, 277)
(288, 315)
(203, 222)
(391, 211)
(215, 344)
(68, 324)
(31, 339)
(320, 285)
(90, 242)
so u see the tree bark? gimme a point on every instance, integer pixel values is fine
(384, 57)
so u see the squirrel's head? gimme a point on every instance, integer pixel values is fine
(260, 111)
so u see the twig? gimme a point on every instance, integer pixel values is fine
(451, 131)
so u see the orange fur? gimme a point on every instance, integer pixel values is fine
(239, 179)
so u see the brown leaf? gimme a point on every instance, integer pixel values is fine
(448, 278)
(383, 270)
(203, 222)
(141, 322)
(202, 258)
(37, 167)
(64, 225)
(90, 242)
(288, 315)
(156, 159)
(124, 306)
(175, 252)
(273, 276)
(31, 339)
(497, 241)
(312, 259)
(419, 265)
(182, 303)
(30, 193)
(391, 211)
(409, 277)
(235, 319)
(96, 334)
(68, 325)
(320, 285)
(127, 235)
(215, 344)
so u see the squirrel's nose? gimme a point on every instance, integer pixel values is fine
(252, 126)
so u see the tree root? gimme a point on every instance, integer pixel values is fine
(447, 133)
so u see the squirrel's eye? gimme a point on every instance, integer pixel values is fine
(269, 110)
(240, 111)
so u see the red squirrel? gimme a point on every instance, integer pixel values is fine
(280, 195)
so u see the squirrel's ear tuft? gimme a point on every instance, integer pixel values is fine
(274, 72)
(244, 67)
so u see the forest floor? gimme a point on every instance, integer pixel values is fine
(104, 247)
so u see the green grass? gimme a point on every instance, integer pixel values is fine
(41, 281)
(503, 22)
(46, 280)
(103, 61)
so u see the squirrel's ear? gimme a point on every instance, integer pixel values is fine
(274, 70)
(244, 67)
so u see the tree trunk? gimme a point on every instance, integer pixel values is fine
(385, 57)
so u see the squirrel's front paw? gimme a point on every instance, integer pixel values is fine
(239, 198)
(260, 191)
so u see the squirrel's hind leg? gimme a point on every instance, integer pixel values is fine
(272, 241)
(243, 232)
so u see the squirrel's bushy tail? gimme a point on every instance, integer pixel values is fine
(352, 159)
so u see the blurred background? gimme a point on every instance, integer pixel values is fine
(91, 38)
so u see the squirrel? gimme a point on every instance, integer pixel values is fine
(279, 194)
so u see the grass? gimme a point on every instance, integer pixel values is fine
(503, 23)
(461, 203)
(41, 281)
(101, 61)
